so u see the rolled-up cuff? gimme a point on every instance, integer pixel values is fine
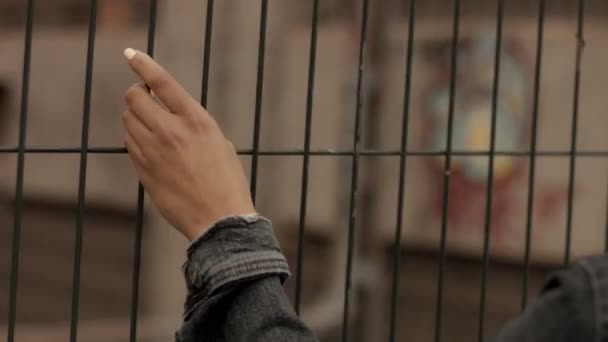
(234, 250)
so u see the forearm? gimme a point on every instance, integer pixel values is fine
(234, 274)
(194, 176)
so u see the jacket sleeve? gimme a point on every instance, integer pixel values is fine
(234, 274)
(568, 310)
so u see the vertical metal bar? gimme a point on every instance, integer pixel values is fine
(139, 220)
(84, 145)
(207, 52)
(490, 181)
(580, 44)
(606, 230)
(258, 98)
(402, 169)
(533, 143)
(355, 173)
(367, 323)
(136, 264)
(307, 137)
(446, 174)
(25, 87)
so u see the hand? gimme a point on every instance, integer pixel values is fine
(190, 170)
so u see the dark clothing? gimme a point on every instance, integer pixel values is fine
(234, 274)
(573, 307)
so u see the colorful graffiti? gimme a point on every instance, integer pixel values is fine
(472, 131)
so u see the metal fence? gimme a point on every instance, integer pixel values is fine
(355, 153)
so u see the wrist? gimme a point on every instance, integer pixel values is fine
(195, 231)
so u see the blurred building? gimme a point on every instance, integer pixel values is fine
(55, 118)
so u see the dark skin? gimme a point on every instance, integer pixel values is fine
(187, 166)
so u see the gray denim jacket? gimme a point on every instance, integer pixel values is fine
(235, 271)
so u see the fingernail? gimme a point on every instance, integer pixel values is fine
(130, 53)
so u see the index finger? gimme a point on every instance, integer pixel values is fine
(166, 88)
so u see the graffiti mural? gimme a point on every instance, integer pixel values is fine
(472, 133)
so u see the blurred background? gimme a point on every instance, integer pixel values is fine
(55, 118)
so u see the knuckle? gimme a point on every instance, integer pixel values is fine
(159, 80)
(203, 123)
(126, 118)
(196, 122)
(142, 160)
(131, 94)
(176, 138)
(230, 145)
(136, 153)
(165, 136)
